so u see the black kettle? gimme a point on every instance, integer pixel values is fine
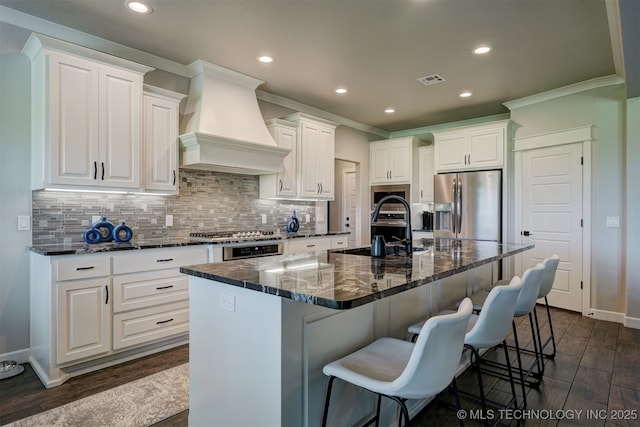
(378, 247)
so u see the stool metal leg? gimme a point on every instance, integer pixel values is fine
(326, 401)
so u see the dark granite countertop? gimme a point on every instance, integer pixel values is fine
(313, 234)
(342, 281)
(81, 248)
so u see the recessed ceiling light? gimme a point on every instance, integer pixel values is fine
(341, 90)
(482, 50)
(465, 94)
(265, 59)
(138, 6)
(390, 110)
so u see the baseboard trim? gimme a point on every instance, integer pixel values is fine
(632, 322)
(20, 356)
(609, 316)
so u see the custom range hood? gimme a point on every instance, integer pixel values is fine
(222, 128)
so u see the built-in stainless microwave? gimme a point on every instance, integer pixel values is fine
(380, 191)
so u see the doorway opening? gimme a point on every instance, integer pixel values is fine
(344, 209)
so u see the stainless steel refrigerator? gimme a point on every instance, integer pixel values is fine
(468, 205)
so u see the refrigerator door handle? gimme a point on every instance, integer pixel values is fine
(454, 207)
(459, 206)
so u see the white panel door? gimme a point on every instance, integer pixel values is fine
(349, 202)
(552, 214)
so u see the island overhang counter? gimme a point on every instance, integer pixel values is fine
(262, 329)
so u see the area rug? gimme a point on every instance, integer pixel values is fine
(139, 403)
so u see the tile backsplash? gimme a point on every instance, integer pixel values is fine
(208, 201)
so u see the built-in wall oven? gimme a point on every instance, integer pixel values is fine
(392, 220)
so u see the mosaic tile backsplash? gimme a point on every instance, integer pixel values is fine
(208, 201)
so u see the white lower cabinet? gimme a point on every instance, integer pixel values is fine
(151, 296)
(308, 244)
(97, 309)
(83, 320)
(150, 324)
(319, 243)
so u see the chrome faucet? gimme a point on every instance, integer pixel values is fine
(408, 238)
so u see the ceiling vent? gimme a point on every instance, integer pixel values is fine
(431, 80)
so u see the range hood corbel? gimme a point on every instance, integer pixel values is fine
(222, 128)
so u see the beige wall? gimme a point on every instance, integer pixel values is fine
(632, 222)
(604, 108)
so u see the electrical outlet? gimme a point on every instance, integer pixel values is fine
(95, 218)
(228, 302)
(168, 221)
(264, 218)
(307, 218)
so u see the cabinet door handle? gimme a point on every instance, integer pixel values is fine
(102, 163)
(164, 321)
(174, 177)
(106, 289)
(85, 268)
(280, 189)
(164, 260)
(95, 170)
(159, 288)
(421, 193)
(321, 188)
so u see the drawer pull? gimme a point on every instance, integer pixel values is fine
(164, 260)
(311, 246)
(159, 288)
(84, 268)
(339, 243)
(164, 321)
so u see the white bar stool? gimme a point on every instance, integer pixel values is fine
(489, 329)
(402, 370)
(525, 304)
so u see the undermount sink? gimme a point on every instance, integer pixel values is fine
(366, 251)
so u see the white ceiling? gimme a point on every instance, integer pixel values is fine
(375, 48)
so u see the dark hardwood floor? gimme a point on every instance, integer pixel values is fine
(597, 369)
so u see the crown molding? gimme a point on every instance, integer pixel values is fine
(304, 108)
(596, 83)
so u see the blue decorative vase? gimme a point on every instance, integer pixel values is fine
(122, 233)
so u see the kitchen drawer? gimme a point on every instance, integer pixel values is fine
(142, 290)
(158, 259)
(339, 242)
(150, 324)
(298, 245)
(83, 267)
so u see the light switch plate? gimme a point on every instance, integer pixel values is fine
(613, 221)
(24, 222)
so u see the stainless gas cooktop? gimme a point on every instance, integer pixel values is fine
(235, 236)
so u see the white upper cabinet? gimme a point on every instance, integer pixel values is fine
(471, 148)
(315, 156)
(160, 136)
(281, 185)
(425, 182)
(391, 160)
(87, 115)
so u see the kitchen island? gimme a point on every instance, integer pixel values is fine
(262, 329)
